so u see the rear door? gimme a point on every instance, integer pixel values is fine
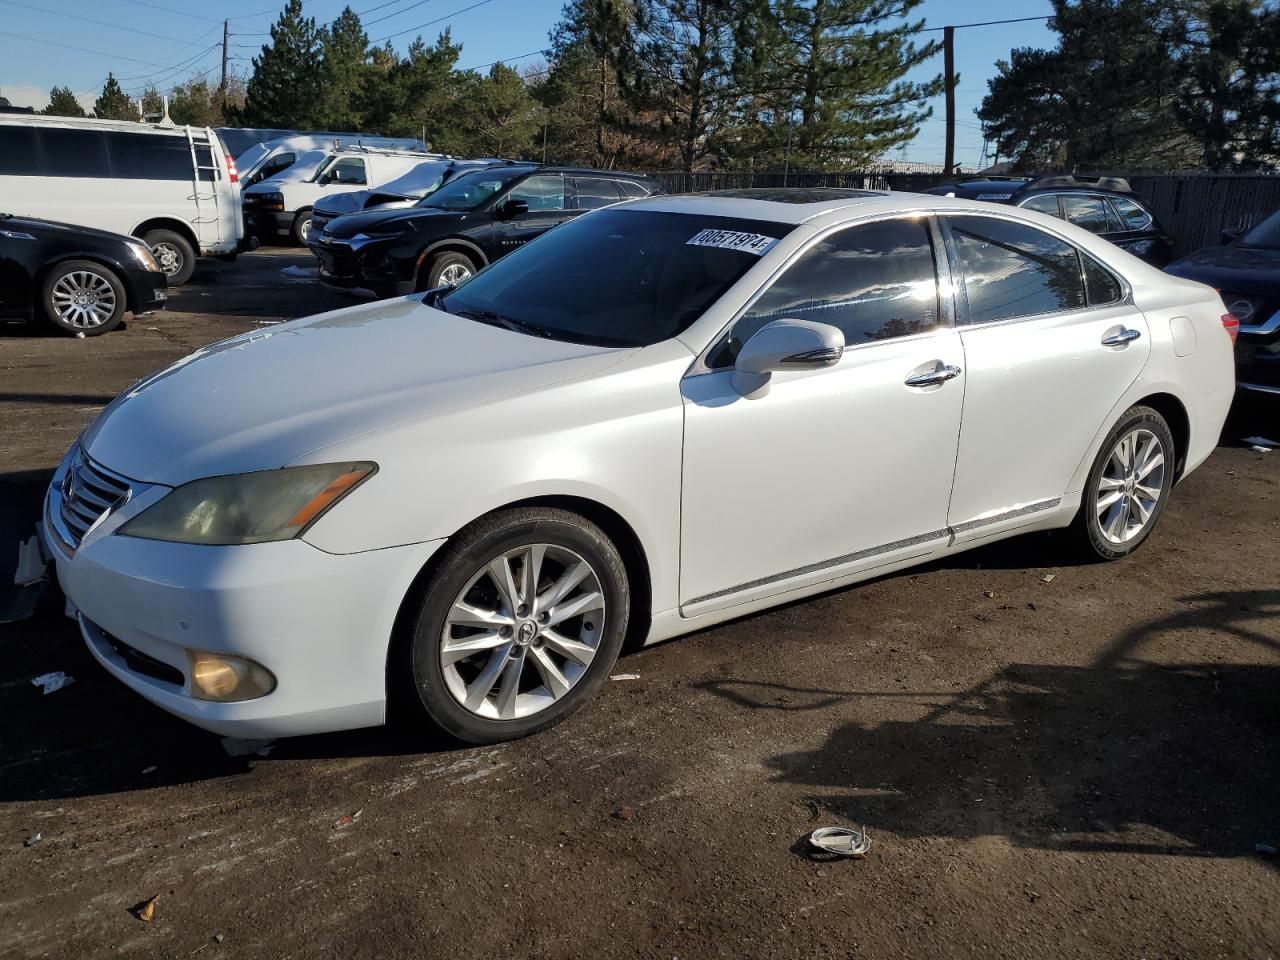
(1051, 342)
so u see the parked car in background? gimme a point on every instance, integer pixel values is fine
(467, 224)
(281, 206)
(174, 187)
(239, 139)
(79, 279)
(654, 418)
(405, 191)
(1105, 206)
(265, 160)
(1246, 270)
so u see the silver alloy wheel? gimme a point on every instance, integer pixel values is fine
(454, 274)
(83, 299)
(522, 632)
(306, 229)
(1130, 485)
(169, 257)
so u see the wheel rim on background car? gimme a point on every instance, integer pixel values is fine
(1130, 486)
(522, 632)
(169, 257)
(454, 274)
(83, 299)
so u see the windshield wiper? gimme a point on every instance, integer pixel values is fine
(498, 320)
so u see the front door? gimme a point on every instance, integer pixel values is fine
(834, 470)
(545, 195)
(1051, 344)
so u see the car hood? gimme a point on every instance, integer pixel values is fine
(388, 221)
(266, 398)
(1234, 267)
(341, 204)
(45, 228)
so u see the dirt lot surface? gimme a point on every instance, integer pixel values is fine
(1073, 768)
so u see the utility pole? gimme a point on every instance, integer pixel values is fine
(949, 68)
(226, 32)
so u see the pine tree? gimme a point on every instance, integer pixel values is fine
(592, 44)
(345, 48)
(424, 85)
(285, 88)
(63, 103)
(827, 75)
(152, 103)
(114, 103)
(491, 116)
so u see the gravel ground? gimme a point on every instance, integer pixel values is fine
(1073, 768)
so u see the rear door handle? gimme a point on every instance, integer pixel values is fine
(934, 377)
(1121, 338)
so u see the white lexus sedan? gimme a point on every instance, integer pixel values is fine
(655, 417)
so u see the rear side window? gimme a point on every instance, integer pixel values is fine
(1045, 203)
(1131, 214)
(595, 192)
(632, 190)
(141, 156)
(74, 153)
(89, 153)
(1100, 283)
(1014, 270)
(19, 152)
(874, 281)
(1092, 213)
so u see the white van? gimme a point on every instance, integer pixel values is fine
(272, 157)
(175, 187)
(281, 206)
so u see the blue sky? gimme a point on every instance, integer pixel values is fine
(185, 38)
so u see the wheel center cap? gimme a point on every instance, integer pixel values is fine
(526, 632)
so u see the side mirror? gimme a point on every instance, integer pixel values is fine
(511, 209)
(1232, 234)
(784, 345)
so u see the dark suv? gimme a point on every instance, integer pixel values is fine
(1105, 206)
(466, 224)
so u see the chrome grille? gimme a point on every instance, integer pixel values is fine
(88, 492)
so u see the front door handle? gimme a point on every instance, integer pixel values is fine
(934, 378)
(1121, 338)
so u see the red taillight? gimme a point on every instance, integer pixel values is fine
(232, 174)
(1231, 325)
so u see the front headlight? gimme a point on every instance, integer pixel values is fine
(142, 253)
(248, 507)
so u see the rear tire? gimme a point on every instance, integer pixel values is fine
(449, 268)
(83, 297)
(174, 253)
(301, 224)
(1127, 487)
(494, 656)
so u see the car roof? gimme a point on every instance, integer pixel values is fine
(782, 204)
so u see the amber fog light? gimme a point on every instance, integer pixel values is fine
(223, 678)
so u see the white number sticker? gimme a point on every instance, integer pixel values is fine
(733, 240)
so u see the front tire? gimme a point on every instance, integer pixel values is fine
(83, 297)
(520, 623)
(301, 227)
(448, 269)
(1128, 486)
(174, 253)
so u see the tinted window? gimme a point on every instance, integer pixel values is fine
(1045, 203)
(1089, 212)
(18, 152)
(1131, 213)
(349, 170)
(543, 193)
(141, 156)
(1103, 288)
(470, 190)
(632, 189)
(1012, 270)
(273, 165)
(873, 282)
(594, 192)
(618, 277)
(74, 153)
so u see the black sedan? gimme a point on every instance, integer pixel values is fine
(465, 225)
(1246, 270)
(81, 280)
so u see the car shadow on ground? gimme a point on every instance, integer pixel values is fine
(1120, 756)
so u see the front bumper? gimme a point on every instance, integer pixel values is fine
(320, 622)
(1258, 356)
(267, 224)
(347, 264)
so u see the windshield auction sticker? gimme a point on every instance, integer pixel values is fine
(732, 240)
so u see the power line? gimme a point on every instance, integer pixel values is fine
(395, 13)
(429, 23)
(181, 13)
(68, 46)
(81, 19)
(532, 53)
(984, 23)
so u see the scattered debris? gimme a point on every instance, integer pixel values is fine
(31, 565)
(1048, 578)
(1264, 848)
(53, 682)
(989, 594)
(80, 335)
(1031, 606)
(626, 813)
(1259, 448)
(1256, 442)
(347, 819)
(842, 841)
(299, 273)
(218, 938)
(32, 840)
(151, 769)
(146, 910)
(240, 747)
(625, 676)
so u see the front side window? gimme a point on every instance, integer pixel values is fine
(1132, 214)
(1015, 270)
(874, 281)
(348, 170)
(542, 193)
(620, 277)
(1091, 213)
(274, 165)
(1045, 203)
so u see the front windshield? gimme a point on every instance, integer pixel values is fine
(471, 190)
(1265, 234)
(616, 277)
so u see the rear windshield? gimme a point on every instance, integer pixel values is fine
(616, 277)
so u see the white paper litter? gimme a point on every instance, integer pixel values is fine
(1048, 578)
(625, 676)
(239, 747)
(300, 273)
(53, 682)
(1259, 448)
(31, 565)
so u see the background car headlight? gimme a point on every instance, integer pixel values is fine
(142, 253)
(248, 507)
